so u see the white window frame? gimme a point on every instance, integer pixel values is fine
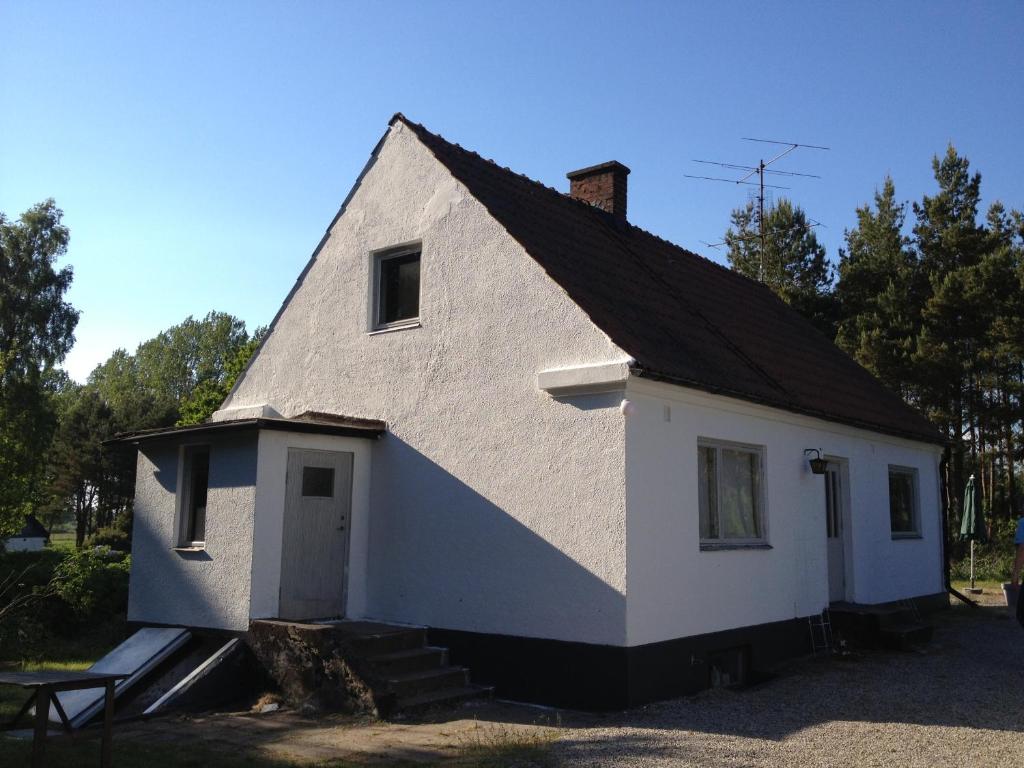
(761, 507)
(915, 503)
(377, 260)
(184, 496)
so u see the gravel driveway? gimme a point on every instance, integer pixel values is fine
(960, 703)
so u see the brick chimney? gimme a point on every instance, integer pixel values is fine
(603, 186)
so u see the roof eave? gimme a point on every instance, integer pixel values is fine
(369, 429)
(935, 439)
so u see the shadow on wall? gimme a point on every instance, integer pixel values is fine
(172, 586)
(443, 555)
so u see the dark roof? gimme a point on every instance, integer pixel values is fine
(683, 318)
(309, 422)
(32, 529)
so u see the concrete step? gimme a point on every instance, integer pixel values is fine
(411, 660)
(446, 697)
(417, 683)
(382, 643)
(905, 637)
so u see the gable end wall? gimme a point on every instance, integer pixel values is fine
(493, 507)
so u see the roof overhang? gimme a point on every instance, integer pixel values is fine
(934, 437)
(339, 426)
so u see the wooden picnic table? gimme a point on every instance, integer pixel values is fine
(45, 685)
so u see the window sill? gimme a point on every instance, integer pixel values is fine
(402, 326)
(905, 536)
(725, 547)
(190, 548)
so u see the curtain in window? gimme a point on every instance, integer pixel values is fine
(708, 486)
(741, 480)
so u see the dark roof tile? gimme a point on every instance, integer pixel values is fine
(682, 317)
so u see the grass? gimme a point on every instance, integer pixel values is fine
(77, 655)
(495, 745)
(989, 585)
(62, 541)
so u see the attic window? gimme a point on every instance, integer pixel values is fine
(396, 289)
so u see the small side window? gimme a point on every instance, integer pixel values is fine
(903, 506)
(318, 481)
(396, 289)
(195, 484)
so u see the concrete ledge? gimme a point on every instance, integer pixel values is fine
(584, 380)
(262, 411)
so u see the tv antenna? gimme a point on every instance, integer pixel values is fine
(760, 170)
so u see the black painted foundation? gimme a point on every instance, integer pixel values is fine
(605, 677)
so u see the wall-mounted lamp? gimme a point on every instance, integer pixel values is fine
(818, 464)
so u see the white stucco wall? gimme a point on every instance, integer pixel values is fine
(25, 544)
(269, 519)
(199, 589)
(677, 590)
(493, 507)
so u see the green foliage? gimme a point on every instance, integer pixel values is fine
(83, 597)
(939, 317)
(182, 375)
(993, 560)
(93, 583)
(36, 332)
(211, 392)
(117, 536)
(879, 293)
(792, 264)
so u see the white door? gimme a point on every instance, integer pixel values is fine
(314, 547)
(835, 525)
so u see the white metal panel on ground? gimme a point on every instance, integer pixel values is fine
(136, 656)
(194, 676)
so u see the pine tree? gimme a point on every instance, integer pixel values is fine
(793, 263)
(880, 294)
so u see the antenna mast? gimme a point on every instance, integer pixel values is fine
(760, 169)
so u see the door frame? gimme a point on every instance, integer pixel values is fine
(346, 546)
(846, 521)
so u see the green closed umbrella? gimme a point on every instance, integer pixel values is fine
(972, 524)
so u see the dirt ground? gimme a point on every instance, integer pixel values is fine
(959, 702)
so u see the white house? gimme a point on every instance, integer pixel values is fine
(576, 452)
(31, 538)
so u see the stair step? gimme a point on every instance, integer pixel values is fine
(896, 618)
(382, 643)
(410, 660)
(414, 683)
(446, 697)
(905, 637)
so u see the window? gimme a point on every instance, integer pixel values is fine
(195, 481)
(397, 289)
(903, 502)
(318, 481)
(731, 494)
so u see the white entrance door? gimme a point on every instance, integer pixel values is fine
(314, 547)
(835, 525)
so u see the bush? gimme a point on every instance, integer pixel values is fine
(993, 560)
(93, 583)
(118, 535)
(79, 594)
(112, 537)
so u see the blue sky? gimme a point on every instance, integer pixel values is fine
(199, 150)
